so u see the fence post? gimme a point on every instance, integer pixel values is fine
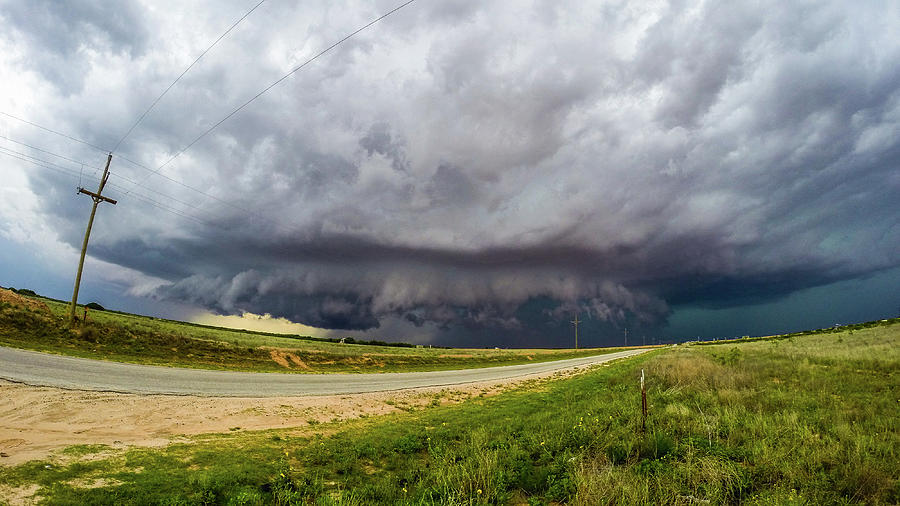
(643, 404)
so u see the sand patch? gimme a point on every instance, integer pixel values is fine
(296, 360)
(16, 496)
(279, 359)
(285, 359)
(37, 422)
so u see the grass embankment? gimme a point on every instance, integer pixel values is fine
(806, 420)
(38, 324)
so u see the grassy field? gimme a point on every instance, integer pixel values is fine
(37, 324)
(799, 420)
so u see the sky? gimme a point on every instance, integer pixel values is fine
(460, 173)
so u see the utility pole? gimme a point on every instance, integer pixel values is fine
(626, 336)
(575, 322)
(97, 198)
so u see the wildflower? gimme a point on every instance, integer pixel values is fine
(542, 443)
(404, 490)
(479, 491)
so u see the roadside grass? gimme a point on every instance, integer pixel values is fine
(38, 324)
(804, 420)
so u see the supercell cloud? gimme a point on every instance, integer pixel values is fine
(467, 166)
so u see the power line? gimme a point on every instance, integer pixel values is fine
(82, 164)
(141, 118)
(136, 164)
(282, 78)
(86, 143)
(164, 207)
(75, 175)
(44, 151)
(216, 125)
(120, 176)
(68, 172)
(38, 161)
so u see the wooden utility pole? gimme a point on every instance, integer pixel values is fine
(97, 198)
(575, 322)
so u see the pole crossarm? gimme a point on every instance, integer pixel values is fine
(97, 196)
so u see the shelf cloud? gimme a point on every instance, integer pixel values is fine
(473, 167)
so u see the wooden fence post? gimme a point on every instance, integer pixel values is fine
(643, 404)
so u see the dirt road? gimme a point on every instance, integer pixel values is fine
(42, 369)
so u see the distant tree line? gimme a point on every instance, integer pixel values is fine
(22, 291)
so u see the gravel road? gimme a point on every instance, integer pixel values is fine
(42, 369)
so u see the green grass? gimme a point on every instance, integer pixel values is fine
(139, 339)
(803, 420)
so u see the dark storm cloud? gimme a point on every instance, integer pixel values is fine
(491, 169)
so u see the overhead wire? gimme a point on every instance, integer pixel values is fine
(278, 81)
(37, 161)
(188, 204)
(157, 171)
(43, 150)
(74, 175)
(120, 157)
(76, 139)
(161, 95)
(78, 175)
(164, 207)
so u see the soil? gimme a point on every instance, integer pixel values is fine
(36, 422)
(17, 300)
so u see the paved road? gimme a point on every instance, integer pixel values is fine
(42, 369)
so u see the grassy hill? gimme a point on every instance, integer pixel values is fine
(36, 323)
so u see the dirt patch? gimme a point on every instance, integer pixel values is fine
(296, 360)
(37, 422)
(94, 482)
(279, 358)
(285, 359)
(17, 300)
(16, 496)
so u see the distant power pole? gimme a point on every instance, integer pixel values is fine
(575, 322)
(97, 198)
(626, 336)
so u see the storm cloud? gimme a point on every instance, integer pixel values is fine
(472, 167)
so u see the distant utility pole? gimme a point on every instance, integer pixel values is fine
(575, 322)
(626, 336)
(97, 198)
